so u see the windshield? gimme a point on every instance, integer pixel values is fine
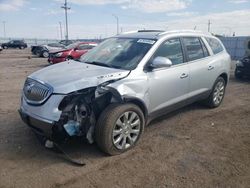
(71, 46)
(122, 53)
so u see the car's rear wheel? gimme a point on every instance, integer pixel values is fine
(216, 97)
(5, 47)
(119, 128)
(21, 47)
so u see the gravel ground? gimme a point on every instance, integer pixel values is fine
(191, 147)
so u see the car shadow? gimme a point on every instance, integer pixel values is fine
(76, 148)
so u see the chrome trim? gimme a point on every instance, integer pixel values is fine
(37, 90)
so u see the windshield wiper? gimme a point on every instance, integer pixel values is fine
(99, 63)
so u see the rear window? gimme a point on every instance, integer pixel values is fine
(194, 48)
(215, 45)
(85, 47)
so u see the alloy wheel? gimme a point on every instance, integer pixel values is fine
(126, 130)
(219, 91)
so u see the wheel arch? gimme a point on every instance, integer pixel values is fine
(137, 102)
(224, 76)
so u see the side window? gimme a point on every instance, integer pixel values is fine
(194, 48)
(172, 50)
(215, 45)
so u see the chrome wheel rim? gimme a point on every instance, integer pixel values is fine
(45, 54)
(218, 92)
(126, 130)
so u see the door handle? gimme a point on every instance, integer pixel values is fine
(210, 67)
(184, 75)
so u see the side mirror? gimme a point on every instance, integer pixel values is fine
(161, 62)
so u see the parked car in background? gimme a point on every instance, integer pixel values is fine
(242, 68)
(67, 42)
(1, 48)
(124, 83)
(73, 51)
(15, 44)
(44, 50)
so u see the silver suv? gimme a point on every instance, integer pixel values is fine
(121, 85)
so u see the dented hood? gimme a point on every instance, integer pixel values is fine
(72, 75)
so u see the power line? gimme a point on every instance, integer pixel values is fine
(66, 8)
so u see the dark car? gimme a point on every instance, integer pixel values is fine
(243, 68)
(15, 44)
(44, 50)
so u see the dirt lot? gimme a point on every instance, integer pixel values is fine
(192, 147)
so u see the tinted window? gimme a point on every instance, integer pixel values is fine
(172, 50)
(194, 48)
(55, 45)
(121, 53)
(215, 45)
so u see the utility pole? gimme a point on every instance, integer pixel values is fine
(209, 25)
(117, 23)
(66, 8)
(4, 31)
(60, 24)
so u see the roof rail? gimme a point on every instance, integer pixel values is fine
(129, 32)
(150, 30)
(179, 31)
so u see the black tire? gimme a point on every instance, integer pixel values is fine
(21, 47)
(210, 100)
(106, 125)
(237, 74)
(45, 54)
(5, 47)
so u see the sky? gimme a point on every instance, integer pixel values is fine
(96, 18)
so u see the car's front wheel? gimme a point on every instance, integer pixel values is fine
(5, 47)
(119, 128)
(45, 54)
(238, 74)
(216, 97)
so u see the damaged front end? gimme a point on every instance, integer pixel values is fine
(81, 109)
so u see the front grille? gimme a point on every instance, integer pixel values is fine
(36, 92)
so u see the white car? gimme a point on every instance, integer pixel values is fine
(122, 84)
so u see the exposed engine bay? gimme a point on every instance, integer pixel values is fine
(80, 111)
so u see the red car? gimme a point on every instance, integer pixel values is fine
(73, 51)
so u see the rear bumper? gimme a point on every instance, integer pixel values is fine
(39, 125)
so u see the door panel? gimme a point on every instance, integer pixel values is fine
(200, 66)
(168, 86)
